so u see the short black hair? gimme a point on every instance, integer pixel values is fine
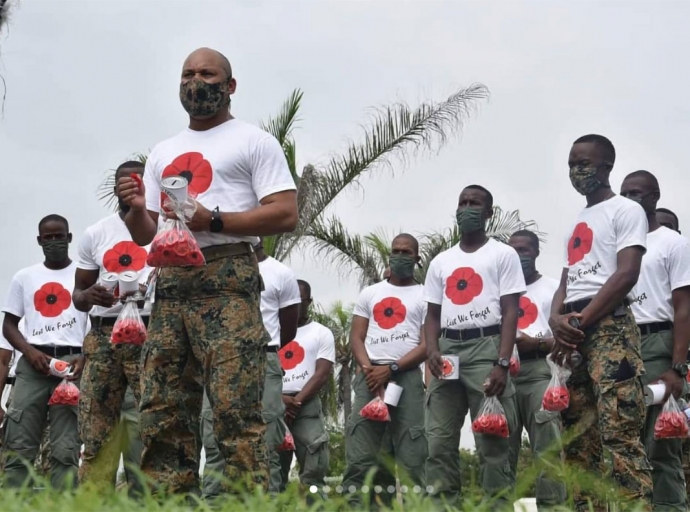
(529, 234)
(647, 175)
(489, 196)
(669, 212)
(605, 144)
(53, 217)
(303, 284)
(407, 236)
(130, 164)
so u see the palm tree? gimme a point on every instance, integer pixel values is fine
(394, 133)
(5, 7)
(368, 254)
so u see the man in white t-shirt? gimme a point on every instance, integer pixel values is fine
(661, 306)
(210, 316)
(668, 219)
(388, 344)
(280, 301)
(604, 249)
(308, 363)
(54, 329)
(107, 247)
(473, 291)
(6, 379)
(534, 342)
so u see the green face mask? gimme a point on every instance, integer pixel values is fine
(527, 263)
(402, 266)
(469, 220)
(55, 250)
(584, 179)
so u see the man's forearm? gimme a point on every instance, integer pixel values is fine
(432, 331)
(557, 303)
(609, 297)
(508, 332)
(359, 352)
(15, 338)
(312, 388)
(141, 226)
(80, 303)
(681, 336)
(413, 358)
(271, 219)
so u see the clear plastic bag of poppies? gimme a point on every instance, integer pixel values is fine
(174, 245)
(556, 397)
(66, 393)
(515, 362)
(129, 328)
(491, 419)
(288, 444)
(671, 423)
(376, 410)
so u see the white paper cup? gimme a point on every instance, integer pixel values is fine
(59, 368)
(176, 188)
(129, 282)
(451, 367)
(393, 392)
(109, 280)
(654, 394)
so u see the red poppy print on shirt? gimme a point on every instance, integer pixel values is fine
(124, 256)
(389, 312)
(463, 285)
(580, 243)
(52, 299)
(291, 355)
(194, 168)
(527, 314)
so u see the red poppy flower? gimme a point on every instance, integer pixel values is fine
(124, 256)
(194, 168)
(52, 299)
(291, 355)
(389, 312)
(527, 314)
(463, 285)
(447, 368)
(580, 243)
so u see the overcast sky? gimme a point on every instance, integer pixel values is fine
(91, 82)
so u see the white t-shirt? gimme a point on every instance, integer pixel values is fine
(107, 246)
(280, 291)
(469, 285)
(43, 298)
(535, 308)
(665, 267)
(396, 315)
(594, 241)
(232, 166)
(298, 358)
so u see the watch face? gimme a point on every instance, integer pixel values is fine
(394, 367)
(504, 363)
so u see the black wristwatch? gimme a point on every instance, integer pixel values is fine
(216, 225)
(503, 363)
(394, 368)
(681, 369)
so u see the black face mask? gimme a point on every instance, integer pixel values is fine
(124, 208)
(55, 251)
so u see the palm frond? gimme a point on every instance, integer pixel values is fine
(503, 224)
(6, 7)
(331, 240)
(106, 190)
(283, 124)
(394, 133)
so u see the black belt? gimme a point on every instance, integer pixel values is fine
(533, 355)
(578, 305)
(272, 349)
(10, 381)
(470, 334)
(655, 327)
(57, 352)
(98, 322)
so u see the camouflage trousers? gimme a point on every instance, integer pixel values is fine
(205, 333)
(543, 428)
(26, 421)
(273, 410)
(607, 410)
(108, 372)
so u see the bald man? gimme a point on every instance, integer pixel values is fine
(206, 329)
